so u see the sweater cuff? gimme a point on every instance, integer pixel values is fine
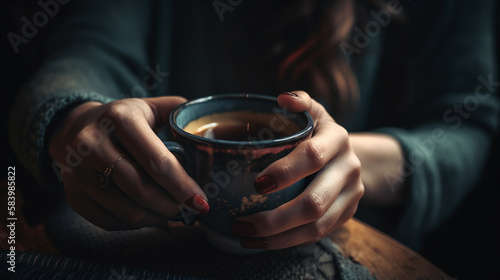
(38, 161)
(422, 180)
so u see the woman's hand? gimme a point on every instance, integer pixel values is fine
(147, 184)
(329, 200)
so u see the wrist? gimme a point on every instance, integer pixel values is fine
(381, 160)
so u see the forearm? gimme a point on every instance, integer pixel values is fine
(381, 168)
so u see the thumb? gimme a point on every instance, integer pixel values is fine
(163, 106)
(300, 101)
(295, 101)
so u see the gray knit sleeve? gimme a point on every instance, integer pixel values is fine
(452, 117)
(28, 131)
(97, 52)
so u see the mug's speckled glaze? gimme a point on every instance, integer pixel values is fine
(226, 170)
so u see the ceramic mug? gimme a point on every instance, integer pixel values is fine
(224, 157)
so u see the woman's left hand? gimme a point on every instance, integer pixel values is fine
(330, 199)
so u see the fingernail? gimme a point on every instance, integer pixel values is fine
(198, 203)
(265, 184)
(253, 243)
(294, 95)
(243, 229)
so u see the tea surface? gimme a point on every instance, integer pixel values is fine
(243, 126)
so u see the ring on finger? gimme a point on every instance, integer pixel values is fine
(103, 176)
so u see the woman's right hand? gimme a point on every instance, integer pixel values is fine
(147, 184)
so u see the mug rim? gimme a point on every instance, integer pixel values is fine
(298, 136)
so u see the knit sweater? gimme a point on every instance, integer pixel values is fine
(107, 50)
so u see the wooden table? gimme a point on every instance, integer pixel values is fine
(384, 257)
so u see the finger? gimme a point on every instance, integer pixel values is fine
(295, 101)
(274, 230)
(309, 206)
(94, 213)
(134, 182)
(129, 177)
(134, 132)
(307, 158)
(161, 108)
(125, 209)
(304, 234)
(117, 203)
(107, 211)
(300, 101)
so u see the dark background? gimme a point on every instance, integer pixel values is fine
(17, 68)
(467, 246)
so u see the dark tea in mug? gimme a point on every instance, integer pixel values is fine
(242, 125)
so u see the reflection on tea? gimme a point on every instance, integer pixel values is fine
(242, 126)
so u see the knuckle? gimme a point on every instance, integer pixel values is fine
(269, 223)
(342, 132)
(314, 206)
(343, 137)
(118, 110)
(80, 137)
(156, 165)
(354, 165)
(359, 190)
(314, 154)
(317, 231)
(78, 148)
(285, 170)
(85, 137)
